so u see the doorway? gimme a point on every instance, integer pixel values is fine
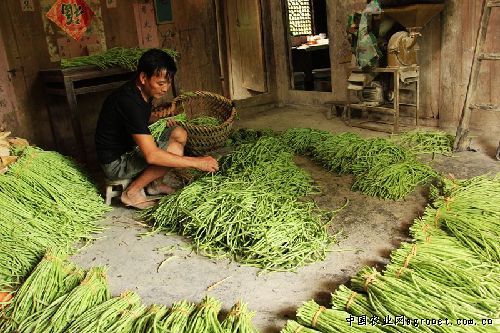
(246, 66)
(308, 45)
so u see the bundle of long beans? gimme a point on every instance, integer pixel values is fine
(394, 180)
(204, 318)
(177, 318)
(448, 264)
(56, 318)
(113, 315)
(425, 142)
(470, 211)
(239, 320)
(427, 271)
(151, 320)
(117, 56)
(390, 295)
(53, 277)
(328, 320)
(353, 302)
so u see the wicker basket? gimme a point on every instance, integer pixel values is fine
(202, 139)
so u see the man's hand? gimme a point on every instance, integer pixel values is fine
(171, 122)
(208, 164)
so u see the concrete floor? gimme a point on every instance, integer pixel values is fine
(370, 228)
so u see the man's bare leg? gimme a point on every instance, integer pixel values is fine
(134, 194)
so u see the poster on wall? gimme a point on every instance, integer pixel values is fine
(55, 35)
(27, 6)
(72, 16)
(147, 31)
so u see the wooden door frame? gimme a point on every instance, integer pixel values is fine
(225, 49)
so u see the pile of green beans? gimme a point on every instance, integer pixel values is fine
(235, 214)
(205, 121)
(224, 216)
(381, 168)
(393, 181)
(426, 142)
(239, 320)
(45, 202)
(117, 56)
(53, 277)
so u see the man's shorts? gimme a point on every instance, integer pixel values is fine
(132, 163)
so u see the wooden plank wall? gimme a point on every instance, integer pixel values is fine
(192, 33)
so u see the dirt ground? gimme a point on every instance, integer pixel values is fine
(162, 269)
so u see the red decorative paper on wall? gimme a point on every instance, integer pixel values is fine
(72, 16)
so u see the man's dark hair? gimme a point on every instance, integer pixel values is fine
(154, 61)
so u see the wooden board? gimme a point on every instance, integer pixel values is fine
(245, 50)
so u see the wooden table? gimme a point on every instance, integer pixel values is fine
(307, 59)
(72, 82)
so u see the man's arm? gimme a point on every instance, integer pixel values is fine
(158, 156)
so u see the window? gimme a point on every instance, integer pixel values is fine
(299, 17)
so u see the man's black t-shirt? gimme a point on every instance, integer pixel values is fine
(123, 113)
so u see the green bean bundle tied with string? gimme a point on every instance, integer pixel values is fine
(239, 320)
(204, 317)
(151, 320)
(53, 277)
(115, 315)
(471, 213)
(389, 295)
(177, 317)
(92, 291)
(310, 314)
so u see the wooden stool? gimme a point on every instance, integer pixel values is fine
(114, 188)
